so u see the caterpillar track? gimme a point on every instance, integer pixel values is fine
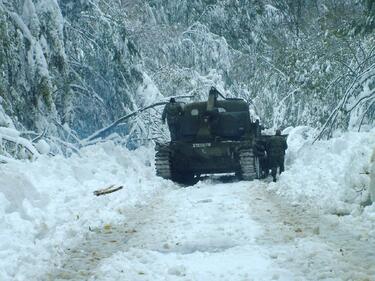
(164, 169)
(163, 164)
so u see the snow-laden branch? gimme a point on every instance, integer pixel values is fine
(13, 136)
(278, 109)
(372, 104)
(362, 79)
(39, 137)
(104, 130)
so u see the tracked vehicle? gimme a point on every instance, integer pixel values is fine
(215, 136)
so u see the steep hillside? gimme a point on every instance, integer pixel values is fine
(81, 64)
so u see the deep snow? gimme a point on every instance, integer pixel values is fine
(50, 219)
(372, 176)
(332, 175)
(48, 205)
(239, 231)
(204, 232)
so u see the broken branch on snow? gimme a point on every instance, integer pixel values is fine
(101, 132)
(112, 188)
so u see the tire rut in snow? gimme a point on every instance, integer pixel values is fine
(81, 262)
(312, 245)
(317, 246)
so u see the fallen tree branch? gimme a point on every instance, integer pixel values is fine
(101, 132)
(19, 141)
(112, 188)
(39, 137)
(364, 115)
(358, 81)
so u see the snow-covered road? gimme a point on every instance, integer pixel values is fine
(222, 231)
(315, 223)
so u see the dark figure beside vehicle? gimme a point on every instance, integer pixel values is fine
(276, 154)
(271, 153)
(172, 111)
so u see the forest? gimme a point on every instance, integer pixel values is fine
(91, 188)
(69, 68)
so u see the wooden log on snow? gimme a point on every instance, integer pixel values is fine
(110, 189)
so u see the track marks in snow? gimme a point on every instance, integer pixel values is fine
(314, 245)
(215, 231)
(204, 232)
(81, 261)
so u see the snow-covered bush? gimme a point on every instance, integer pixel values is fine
(12, 145)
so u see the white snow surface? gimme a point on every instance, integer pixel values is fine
(48, 204)
(152, 229)
(204, 232)
(332, 175)
(43, 147)
(372, 176)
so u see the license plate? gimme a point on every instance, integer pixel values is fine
(201, 144)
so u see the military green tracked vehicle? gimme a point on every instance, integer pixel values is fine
(216, 136)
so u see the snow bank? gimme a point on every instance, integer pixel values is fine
(331, 174)
(43, 147)
(372, 176)
(49, 204)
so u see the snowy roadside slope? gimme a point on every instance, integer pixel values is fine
(49, 204)
(331, 175)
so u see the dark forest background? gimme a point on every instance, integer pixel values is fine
(76, 66)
